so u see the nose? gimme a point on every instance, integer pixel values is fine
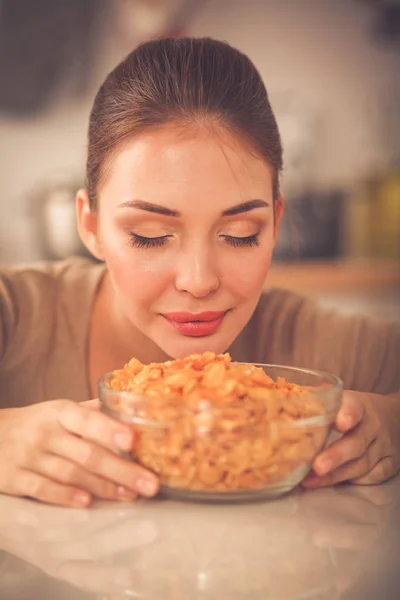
(197, 272)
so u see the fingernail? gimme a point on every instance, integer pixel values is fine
(324, 465)
(123, 440)
(147, 487)
(347, 421)
(310, 481)
(125, 494)
(81, 499)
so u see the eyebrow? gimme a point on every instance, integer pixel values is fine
(168, 212)
(244, 207)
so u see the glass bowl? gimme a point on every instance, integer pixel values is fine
(218, 454)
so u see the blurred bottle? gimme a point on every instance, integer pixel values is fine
(386, 218)
(358, 219)
(373, 218)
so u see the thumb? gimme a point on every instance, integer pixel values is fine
(94, 403)
(350, 413)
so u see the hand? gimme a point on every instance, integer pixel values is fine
(61, 452)
(369, 450)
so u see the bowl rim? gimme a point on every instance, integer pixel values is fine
(326, 417)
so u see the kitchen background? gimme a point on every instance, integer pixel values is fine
(332, 71)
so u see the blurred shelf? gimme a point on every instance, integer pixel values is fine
(343, 276)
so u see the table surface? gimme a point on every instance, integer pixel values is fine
(328, 544)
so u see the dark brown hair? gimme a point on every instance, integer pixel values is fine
(181, 81)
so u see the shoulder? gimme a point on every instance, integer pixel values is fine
(280, 301)
(27, 287)
(278, 307)
(40, 277)
(30, 294)
(278, 314)
(268, 336)
(294, 329)
(39, 274)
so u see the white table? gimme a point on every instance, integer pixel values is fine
(341, 542)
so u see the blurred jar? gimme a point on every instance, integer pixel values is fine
(56, 224)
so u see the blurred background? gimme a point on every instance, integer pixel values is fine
(331, 68)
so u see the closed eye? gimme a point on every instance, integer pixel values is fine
(140, 241)
(250, 240)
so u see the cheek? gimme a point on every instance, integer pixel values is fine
(139, 276)
(247, 273)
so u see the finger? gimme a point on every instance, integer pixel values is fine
(349, 447)
(95, 426)
(94, 403)
(70, 473)
(350, 413)
(41, 488)
(379, 473)
(348, 471)
(100, 461)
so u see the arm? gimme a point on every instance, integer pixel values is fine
(366, 354)
(61, 452)
(369, 450)
(364, 351)
(58, 451)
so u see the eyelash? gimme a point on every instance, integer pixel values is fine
(139, 241)
(237, 242)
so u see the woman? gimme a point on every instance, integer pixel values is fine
(182, 208)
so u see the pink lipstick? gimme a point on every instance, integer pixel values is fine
(195, 325)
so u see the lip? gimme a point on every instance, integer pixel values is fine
(196, 324)
(183, 317)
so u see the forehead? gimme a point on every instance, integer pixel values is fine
(174, 164)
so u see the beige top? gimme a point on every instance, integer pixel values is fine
(44, 326)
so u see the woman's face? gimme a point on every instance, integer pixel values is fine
(186, 226)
